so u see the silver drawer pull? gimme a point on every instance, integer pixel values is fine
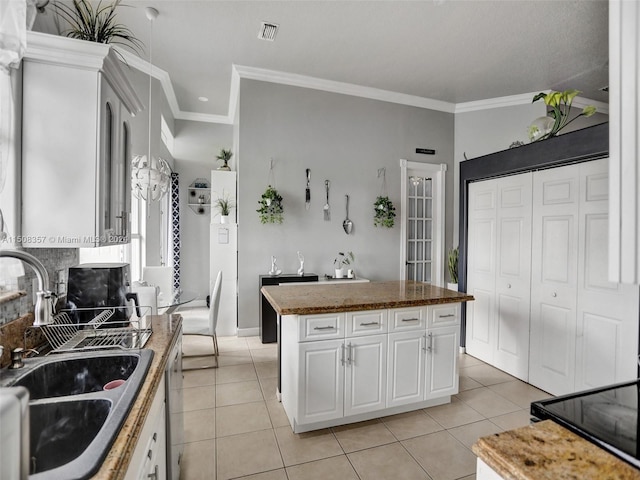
(410, 319)
(446, 316)
(330, 327)
(368, 324)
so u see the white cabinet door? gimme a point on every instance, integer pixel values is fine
(442, 362)
(406, 368)
(366, 374)
(607, 325)
(499, 272)
(554, 277)
(481, 268)
(513, 275)
(321, 380)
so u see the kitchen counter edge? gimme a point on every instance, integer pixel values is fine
(351, 298)
(165, 329)
(546, 451)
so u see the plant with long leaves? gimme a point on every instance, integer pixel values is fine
(97, 24)
(560, 103)
(452, 264)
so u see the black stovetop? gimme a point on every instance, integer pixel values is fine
(606, 416)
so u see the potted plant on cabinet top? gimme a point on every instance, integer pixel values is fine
(341, 262)
(452, 264)
(224, 155)
(224, 206)
(96, 24)
(558, 117)
(271, 209)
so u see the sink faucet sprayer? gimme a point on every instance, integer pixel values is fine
(44, 306)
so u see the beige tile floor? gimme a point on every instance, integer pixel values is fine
(236, 429)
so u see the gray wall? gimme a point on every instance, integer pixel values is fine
(195, 150)
(341, 138)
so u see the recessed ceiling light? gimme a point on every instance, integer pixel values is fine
(268, 31)
(203, 99)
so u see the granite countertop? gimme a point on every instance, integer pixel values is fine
(162, 340)
(547, 451)
(342, 297)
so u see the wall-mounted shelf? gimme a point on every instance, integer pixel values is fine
(199, 196)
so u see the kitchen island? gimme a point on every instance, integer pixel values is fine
(352, 352)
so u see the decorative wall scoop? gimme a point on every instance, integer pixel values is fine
(347, 224)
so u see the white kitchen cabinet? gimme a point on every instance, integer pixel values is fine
(148, 461)
(333, 375)
(76, 144)
(321, 381)
(365, 374)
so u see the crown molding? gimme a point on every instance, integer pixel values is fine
(239, 72)
(304, 81)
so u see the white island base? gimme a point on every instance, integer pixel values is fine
(346, 367)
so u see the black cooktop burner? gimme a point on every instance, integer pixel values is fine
(606, 416)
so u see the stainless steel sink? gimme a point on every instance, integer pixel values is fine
(73, 420)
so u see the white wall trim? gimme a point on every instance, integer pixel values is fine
(249, 332)
(304, 81)
(273, 76)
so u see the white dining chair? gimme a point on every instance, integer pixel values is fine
(204, 325)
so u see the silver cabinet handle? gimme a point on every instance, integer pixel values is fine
(368, 324)
(342, 354)
(154, 475)
(350, 354)
(329, 327)
(554, 294)
(430, 343)
(425, 342)
(449, 315)
(410, 319)
(508, 285)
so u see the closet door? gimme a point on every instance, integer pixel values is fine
(481, 269)
(513, 275)
(607, 317)
(553, 280)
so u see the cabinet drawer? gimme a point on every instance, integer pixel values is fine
(406, 319)
(443, 315)
(321, 327)
(366, 323)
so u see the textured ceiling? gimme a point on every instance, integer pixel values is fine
(449, 50)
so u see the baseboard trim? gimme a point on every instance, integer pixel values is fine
(249, 332)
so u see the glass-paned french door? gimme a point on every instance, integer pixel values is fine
(420, 229)
(422, 222)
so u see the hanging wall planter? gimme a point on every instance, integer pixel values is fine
(384, 211)
(271, 210)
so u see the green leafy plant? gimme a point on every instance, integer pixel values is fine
(224, 205)
(560, 109)
(384, 212)
(96, 24)
(452, 264)
(225, 155)
(343, 259)
(271, 209)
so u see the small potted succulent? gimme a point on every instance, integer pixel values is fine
(342, 261)
(452, 264)
(224, 155)
(224, 206)
(271, 209)
(384, 212)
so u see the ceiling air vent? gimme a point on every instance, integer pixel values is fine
(268, 31)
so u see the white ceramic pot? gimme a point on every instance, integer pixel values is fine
(340, 273)
(224, 218)
(452, 286)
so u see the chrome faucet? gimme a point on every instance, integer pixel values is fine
(44, 306)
